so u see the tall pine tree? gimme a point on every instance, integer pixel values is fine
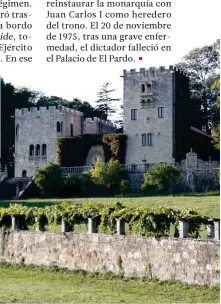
(105, 103)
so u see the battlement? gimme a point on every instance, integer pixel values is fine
(152, 71)
(44, 110)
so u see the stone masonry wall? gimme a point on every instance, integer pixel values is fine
(97, 126)
(187, 260)
(42, 127)
(34, 127)
(160, 95)
(196, 175)
(39, 127)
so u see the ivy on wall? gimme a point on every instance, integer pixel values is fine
(73, 151)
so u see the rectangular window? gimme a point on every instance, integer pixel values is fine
(144, 139)
(161, 112)
(134, 114)
(149, 139)
(72, 130)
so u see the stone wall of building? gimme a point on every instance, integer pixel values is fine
(188, 260)
(98, 126)
(42, 127)
(146, 91)
(33, 127)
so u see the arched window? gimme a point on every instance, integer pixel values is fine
(142, 88)
(44, 149)
(149, 87)
(24, 173)
(31, 150)
(142, 103)
(17, 130)
(37, 150)
(58, 127)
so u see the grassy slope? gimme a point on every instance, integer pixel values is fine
(34, 285)
(208, 202)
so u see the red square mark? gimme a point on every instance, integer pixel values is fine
(140, 58)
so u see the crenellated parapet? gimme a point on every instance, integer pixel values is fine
(51, 110)
(152, 72)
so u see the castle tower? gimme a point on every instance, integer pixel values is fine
(36, 132)
(153, 108)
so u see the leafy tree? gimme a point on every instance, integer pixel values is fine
(48, 180)
(216, 90)
(76, 104)
(11, 98)
(202, 66)
(161, 177)
(105, 101)
(86, 108)
(108, 175)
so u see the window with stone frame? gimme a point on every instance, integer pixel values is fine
(58, 127)
(44, 149)
(161, 112)
(142, 88)
(37, 150)
(31, 150)
(17, 130)
(147, 139)
(144, 140)
(149, 87)
(142, 104)
(133, 114)
(72, 130)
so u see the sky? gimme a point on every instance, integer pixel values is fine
(195, 24)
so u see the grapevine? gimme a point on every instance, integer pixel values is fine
(142, 220)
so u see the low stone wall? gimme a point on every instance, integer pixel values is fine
(191, 181)
(188, 260)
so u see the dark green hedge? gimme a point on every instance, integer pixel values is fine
(72, 151)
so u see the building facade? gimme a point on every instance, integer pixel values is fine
(153, 103)
(36, 132)
(159, 119)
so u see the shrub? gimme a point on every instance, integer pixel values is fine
(86, 184)
(125, 187)
(108, 175)
(161, 177)
(48, 180)
(71, 185)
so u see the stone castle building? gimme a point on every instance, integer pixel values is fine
(156, 119)
(36, 132)
(154, 104)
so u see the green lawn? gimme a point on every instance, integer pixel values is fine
(41, 285)
(209, 203)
